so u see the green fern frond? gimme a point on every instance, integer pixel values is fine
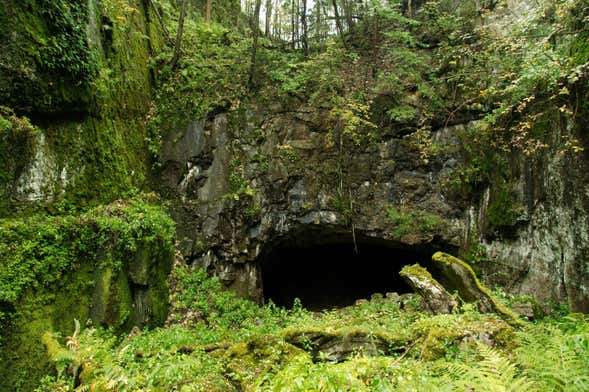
(555, 359)
(493, 373)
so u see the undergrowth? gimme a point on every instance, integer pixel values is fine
(234, 344)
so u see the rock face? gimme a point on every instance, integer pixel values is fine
(97, 268)
(88, 107)
(258, 179)
(79, 71)
(546, 253)
(436, 300)
(246, 181)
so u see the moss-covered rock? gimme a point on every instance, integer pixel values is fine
(81, 72)
(64, 360)
(46, 63)
(435, 298)
(438, 334)
(457, 275)
(340, 345)
(250, 363)
(55, 269)
(17, 144)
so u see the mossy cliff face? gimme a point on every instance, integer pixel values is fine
(79, 71)
(75, 92)
(262, 174)
(108, 267)
(42, 40)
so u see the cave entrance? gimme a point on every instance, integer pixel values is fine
(333, 275)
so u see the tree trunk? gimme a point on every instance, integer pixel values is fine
(324, 6)
(292, 24)
(348, 14)
(297, 11)
(267, 29)
(208, 12)
(277, 24)
(338, 23)
(256, 33)
(305, 37)
(161, 20)
(179, 35)
(375, 45)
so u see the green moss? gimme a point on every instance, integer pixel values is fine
(439, 334)
(46, 60)
(55, 269)
(16, 148)
(253, 362)
(58, 355)
(416, 270)
(580, 49)
(449, 260)
(409, 222)
(90, 102)
(503, 211)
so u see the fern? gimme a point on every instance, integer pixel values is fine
(557, 360)
(493, 373)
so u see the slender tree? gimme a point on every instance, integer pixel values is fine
(277, 23)
(161, 21)
(268, 20)
(292, 24)
(324, 5)
(348, 14)
(179, 34)
(256, 36)
(305, 36)
(297, 11)
(338, 23)
(208, 12)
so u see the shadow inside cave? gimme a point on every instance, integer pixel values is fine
(333, 275)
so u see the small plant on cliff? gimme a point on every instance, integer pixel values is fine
(413, 222)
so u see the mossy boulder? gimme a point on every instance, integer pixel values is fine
(249, 363)
(435, 298)
(437, 335)
(456, 274)
(339, 345)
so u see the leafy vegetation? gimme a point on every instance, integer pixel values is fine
(55, 269)
(234, 343)
(16, 142)
(406, 222)
(377, 70)
(38, 250)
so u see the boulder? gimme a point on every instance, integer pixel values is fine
(340, 345)
(524, 308)
(435, 298)
(456, 274)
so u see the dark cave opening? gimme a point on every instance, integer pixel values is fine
(333, 275)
